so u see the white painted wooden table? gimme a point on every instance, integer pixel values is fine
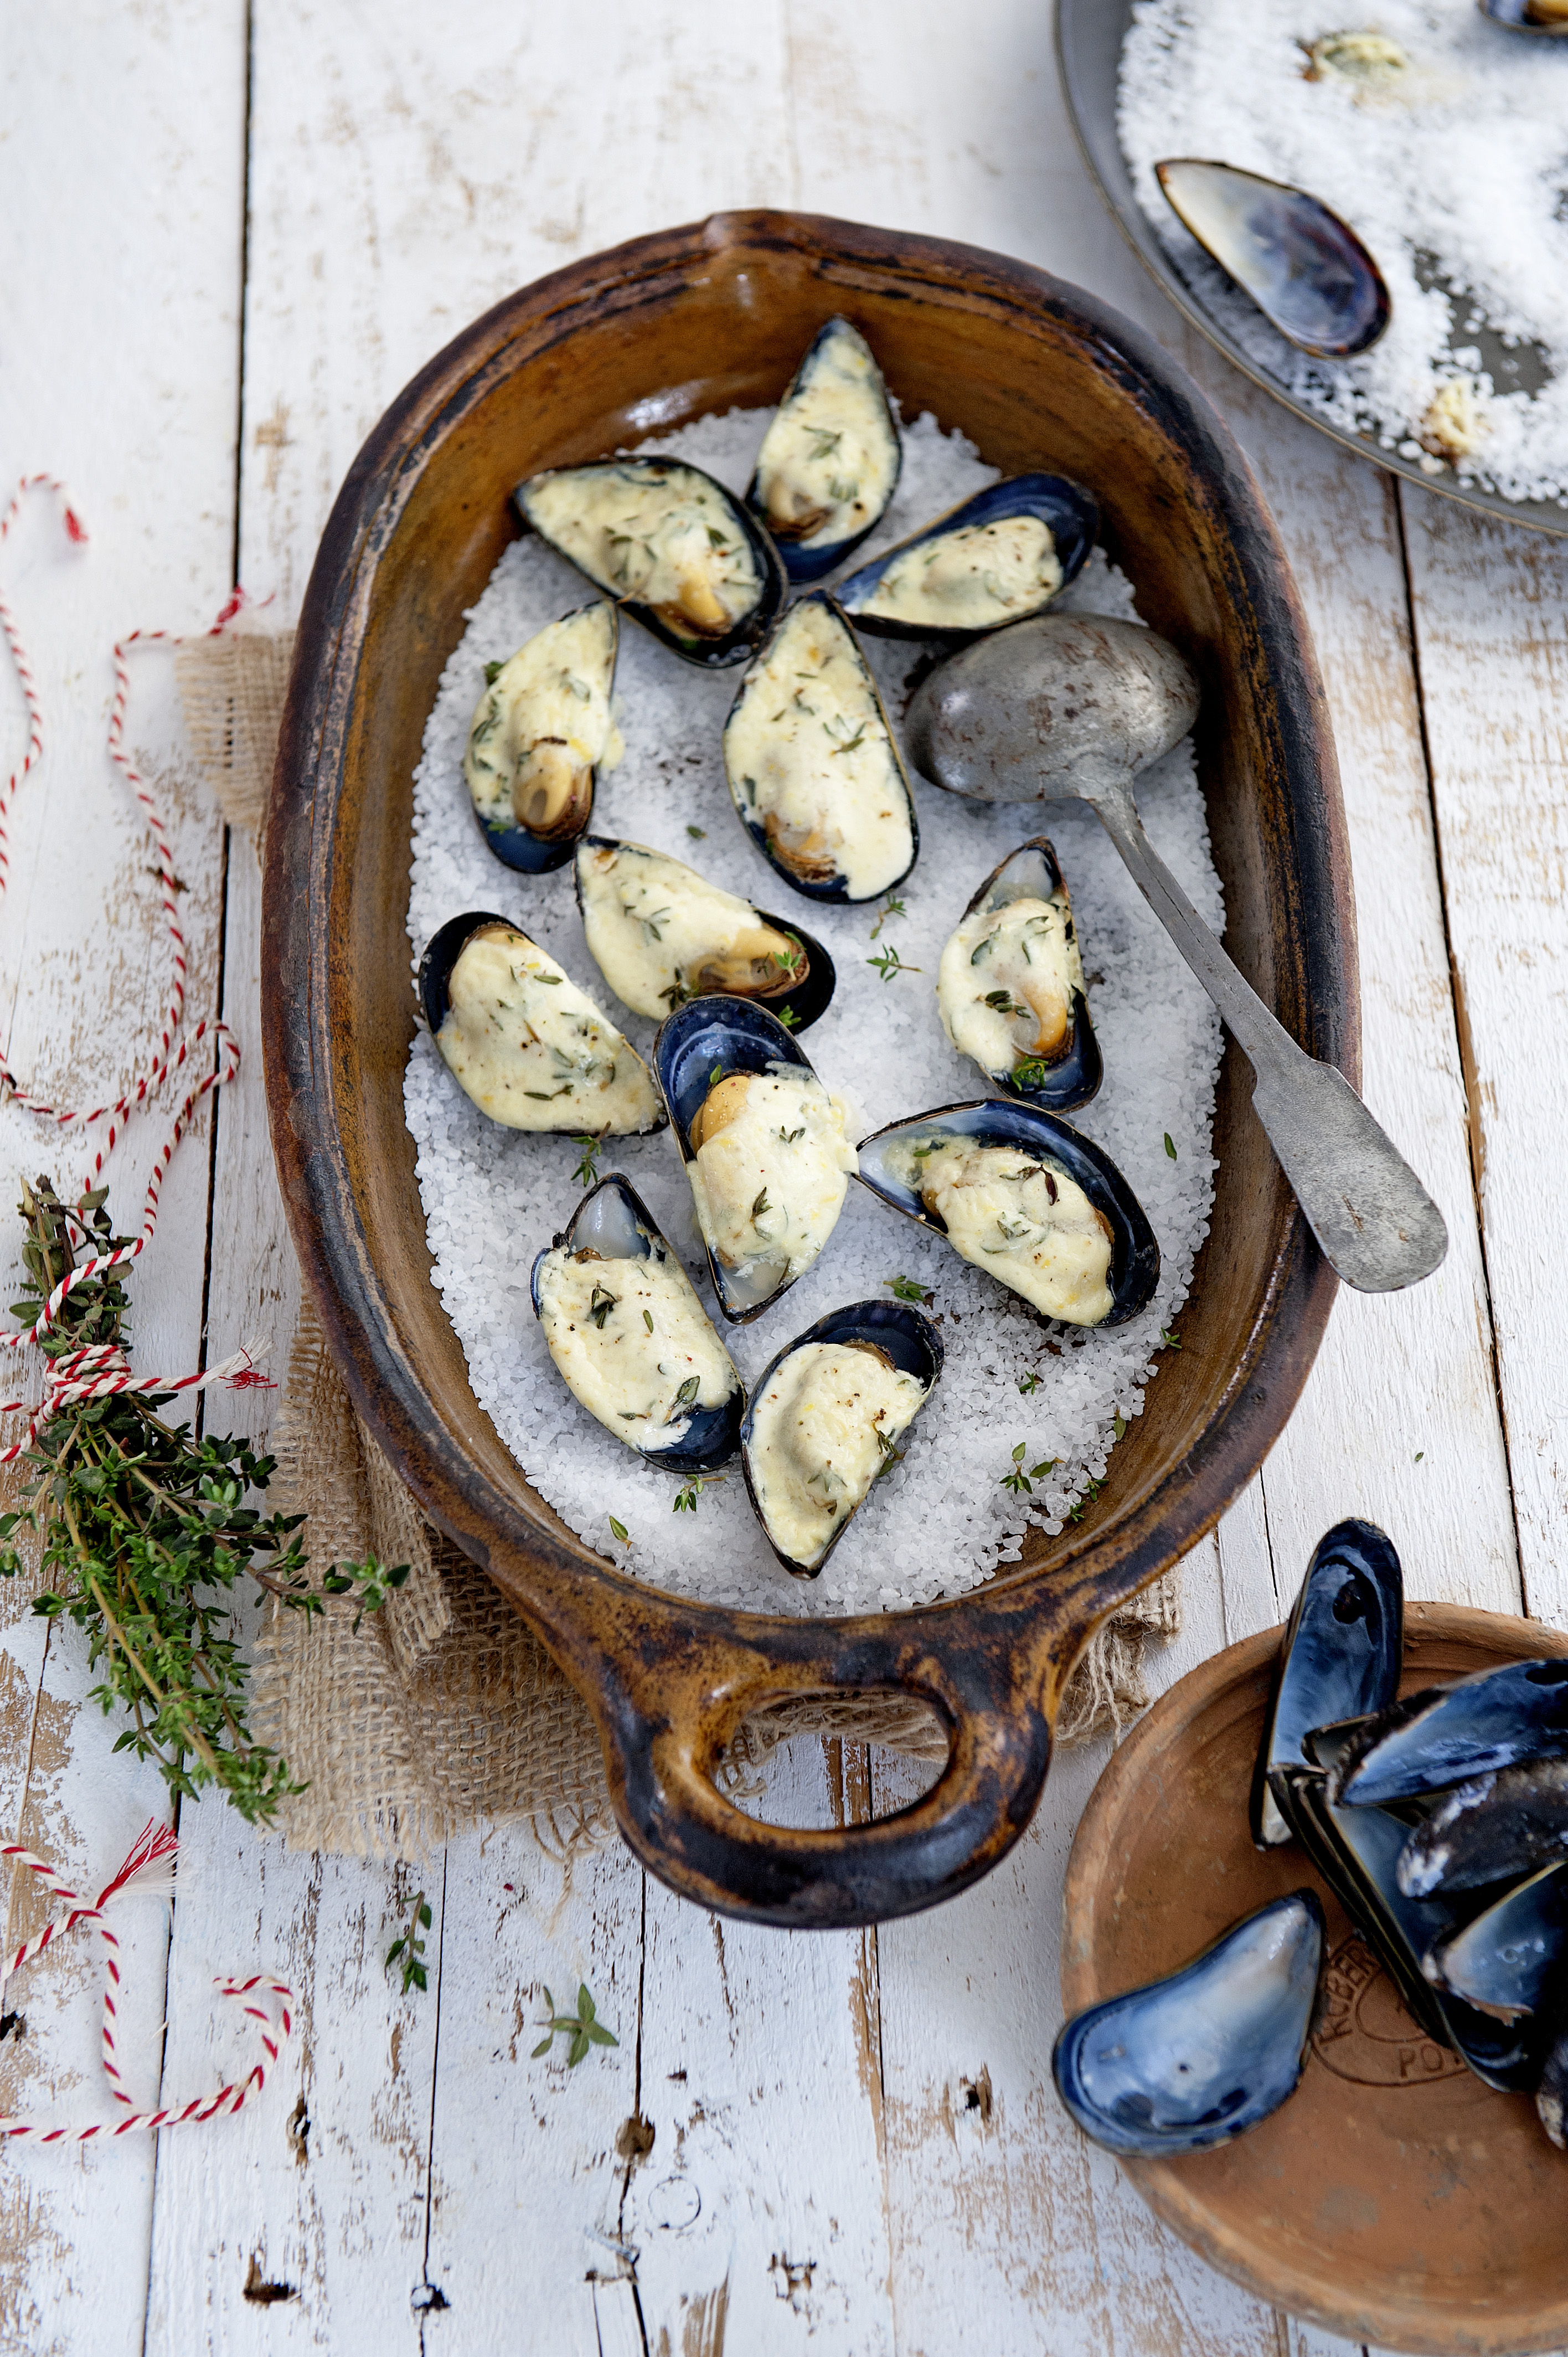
(229, 236)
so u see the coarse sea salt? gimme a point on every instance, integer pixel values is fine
(940, 1521)
(1455, 174)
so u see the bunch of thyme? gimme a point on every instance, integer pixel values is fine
(143, 1533)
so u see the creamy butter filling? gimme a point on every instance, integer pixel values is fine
(821, 1431)
(1006, 985)
(971, 579)
(543, 726)
(633, 1343)
(661, 536)
(531, 1050)
(1024, 1220)
(772, 1165)
(661, 933)
(808, 755)
(829, 459)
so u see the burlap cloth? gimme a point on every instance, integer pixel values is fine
(442, 1711)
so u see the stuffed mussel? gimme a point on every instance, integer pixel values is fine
(829, 462)
(994, 558)
(524, 1041)
(825, 1420)
(633, 1343)
(813, 770)
(667, 542)
(540, 733)
(766, 1146)
(661, 934)
(1021, 1194)
(1339, 1660)
(1010, 988)
(1195, 2060)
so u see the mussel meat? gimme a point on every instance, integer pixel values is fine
(1507, 1960)
(813, 770)
(1305, 268)
(825, 1419)
(661, 934)
(1339, 1658)
(524, 1041)
(1190, 2062)
(632, 1342)
(1446, 1735)
(1010, 988)
(995, 557)
(766, 1146)
(1024, 1196)
(539, 733)
(1507, 1823)
(667, 542)
(829, 462)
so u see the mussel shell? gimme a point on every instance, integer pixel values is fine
(737, 1036)
(1493, 1827)
(711, 654)
(615, 1219)
(1356, 1853)
(801, 1006)
(1513, 16)
(1339, 1658)
(811, 564)
(1445, 1735)
(1032, 872)
(442, 952)
(998, 1121)
(1070, 512)
(1551, 2093)
(910, 1340)
(1192, 2061)
(836, 887)
(1305, 268)
(517, 847)
(1505, 1961)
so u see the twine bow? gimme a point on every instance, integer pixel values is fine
(147, 1873)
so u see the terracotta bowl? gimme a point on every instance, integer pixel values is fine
(1393, 2199)
(1038, 374)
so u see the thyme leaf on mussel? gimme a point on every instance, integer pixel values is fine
(601, 1302)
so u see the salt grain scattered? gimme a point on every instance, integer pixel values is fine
(940, 1521)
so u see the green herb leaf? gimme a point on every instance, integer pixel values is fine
(760, 1206)
(410, 1948)
(1029, 1383)
(648, 1319)
(888, 963)
(617, 1530)
(1170, 1149)
(587, 1170)
(1171, 1340)
(492, 673)
(698, 833)
(601, 1301)
(1119, 1426)
(905, 1288)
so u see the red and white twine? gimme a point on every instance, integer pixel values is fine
(95, 1374)
(146, 1873)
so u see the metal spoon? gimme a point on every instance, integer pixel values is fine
(1070, 707)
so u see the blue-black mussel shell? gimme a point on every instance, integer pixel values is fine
(1305, 268)
(1444, 1734)
(1340, 1656)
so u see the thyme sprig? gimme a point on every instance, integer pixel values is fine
(888, 963)
(905, 1288)
(581, 2029)
(891, 906)
(588, 1171)
(143, 1534)
(1020, 1482)
(686, 1497)
(411, 1947)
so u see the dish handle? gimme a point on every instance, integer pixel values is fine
(669, 1701)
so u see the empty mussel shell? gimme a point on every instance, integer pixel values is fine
(829, 462)
(631, 1338)
(765, 1145)
(530, 1048)
(1505, 1961)
(1356, 1853)
(1010, 986)
(1548, 16)
(1339, 1657)
(1489, 1829)
(670, 544)
(994, 558)
(825, 1419)
(815, 771)
(661, 934)
(1446, 1735)
(1191, 2061)
(989, 1175)
(1306, 269)
(539, 733)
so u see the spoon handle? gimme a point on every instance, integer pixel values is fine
(1378, 1227)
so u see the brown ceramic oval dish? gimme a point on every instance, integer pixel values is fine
(1393, 2198)
(1039, 374)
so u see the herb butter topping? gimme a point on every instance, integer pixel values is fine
(971, 579)
(633, 1342)
(1024, 1220)
(809, 758)
(829, 460)
(531, 1050)
(823, 1429)
(661, 933)
(772, 1164)
(543, 726)
(1006, 985)
(656, 534)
